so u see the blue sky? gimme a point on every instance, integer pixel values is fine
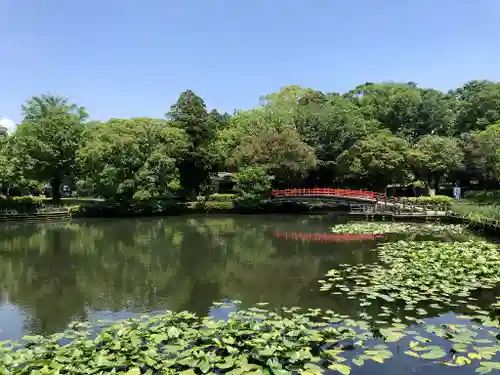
(132, 58)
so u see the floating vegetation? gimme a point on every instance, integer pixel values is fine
(409, 278)
(253, 341)
(420, 271)
(387, 228)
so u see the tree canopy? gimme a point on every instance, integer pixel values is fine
(371, 136)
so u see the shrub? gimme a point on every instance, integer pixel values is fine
(221, 197)
(76, 210)
(251, 185)
(23, 204)
(212, 206)
(483, 196)
(441, 202)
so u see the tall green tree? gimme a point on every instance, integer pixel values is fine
(378, 160)
(196, 164)
(48, 138)
(281, 154)
(405, 109)
(433, 158)
(330, 124)
(482, 155)
(135, 158)
(479, 105)
(47, 105)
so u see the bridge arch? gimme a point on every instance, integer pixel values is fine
(331, 193)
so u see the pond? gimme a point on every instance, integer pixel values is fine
(54, 274)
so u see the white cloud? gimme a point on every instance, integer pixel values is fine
(9, 124)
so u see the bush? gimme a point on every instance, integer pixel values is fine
(483, 196)
(441, 202)
(23, 204)
(251, 185)
(221, 197)
(76, 210)
(213, 206)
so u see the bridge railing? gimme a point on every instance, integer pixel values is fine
(329, 192)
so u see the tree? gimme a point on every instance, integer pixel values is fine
(48, 105)
(251, 185)
(378, 160)
(482, 154)
(134, 158)
(433, 158)
(281, 154)
(479, 105)
(330, 124)
(196, 164)
(219, 121)
(47, 147)
(405, 109)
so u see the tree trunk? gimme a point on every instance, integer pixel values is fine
(55, 185)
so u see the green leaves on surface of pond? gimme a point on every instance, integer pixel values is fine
(408, 277)
(387, 228)
(254, 341)
(420, 271)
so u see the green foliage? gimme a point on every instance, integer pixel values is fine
(23, 204)
(482, 150)
(249, 341)
(47, 141)
(376, 160)
(483, 196)
(136, 158)
(481, 214)
(383, 228)
(196, 162)
(436, 202)
(331, 124)
(405, 109)
(282, 155)
(374, 135)
(216, 197)
(251, 185)
(479, 105)
(48, 105)
(214, 206)
(432, 158)
(417, 271)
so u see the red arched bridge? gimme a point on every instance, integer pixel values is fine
(337, 194)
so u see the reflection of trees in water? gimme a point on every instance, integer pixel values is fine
(58, 272)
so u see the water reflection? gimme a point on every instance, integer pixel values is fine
(52, 274)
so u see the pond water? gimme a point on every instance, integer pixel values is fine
(53, 274)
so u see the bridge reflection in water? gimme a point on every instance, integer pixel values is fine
(327, 237)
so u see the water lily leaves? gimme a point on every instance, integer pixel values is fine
(311, 368)
(391, 334)
(386, 228)
(435, 352)
(343, 369)
(137, 371)
(487, 367)
(461, 361)
(412, 354)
